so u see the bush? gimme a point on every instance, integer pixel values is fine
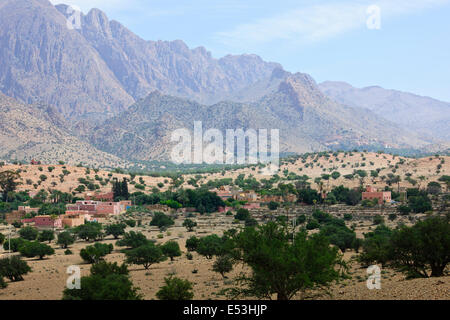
(175, 289)
(13, 268)
(404, 210)
(2, 238)
(189, 256)
(130, 223)
(272, 205)
(301, 219)
(378, 219)
(35, 249)
(95, 253)
(348, 217)
(312, 224)
(242, 214)
(28, 233)
(68, 252)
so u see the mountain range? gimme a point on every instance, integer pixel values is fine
(103, 94)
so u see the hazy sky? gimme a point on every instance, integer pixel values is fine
(330, 40)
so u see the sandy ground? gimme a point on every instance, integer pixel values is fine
(48, 278)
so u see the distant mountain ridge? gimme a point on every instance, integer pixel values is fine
(425, 114)
(307, 120)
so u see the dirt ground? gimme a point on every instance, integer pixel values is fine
(48, 277)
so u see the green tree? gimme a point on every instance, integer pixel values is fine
(116, 230)
(132, 240)
(272, 205)
(13, 268)
(145, 255)
(65, 239)
(107, 281)
(2, 238)
(210, 246)
(15, 244)
(95, 253)
(223, 265)
(161, 221)
(8, 183)
(171, 249)
(175, 289)
(189, 224)
(422, 247)
(91, 231)
(192, 243)
(282, 267)
(242, 214)
(46, 235)
(35, 249)
(28, 233)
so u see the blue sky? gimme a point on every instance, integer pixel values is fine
(328, 39)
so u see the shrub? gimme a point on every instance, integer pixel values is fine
(378, 219)
(312, 224)
(242, 214)
(68, 252)
(272, 205)
(175, 289)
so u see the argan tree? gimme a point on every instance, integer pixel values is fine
(284, 267)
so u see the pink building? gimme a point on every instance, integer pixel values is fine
(45, 222)
(372, 193)
(252, 205)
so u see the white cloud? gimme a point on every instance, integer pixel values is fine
(319, 22)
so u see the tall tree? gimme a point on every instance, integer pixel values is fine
(8, 183)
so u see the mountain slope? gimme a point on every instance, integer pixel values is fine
(100, 69)
(306, 118)
(35, 132)
(424, 114)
